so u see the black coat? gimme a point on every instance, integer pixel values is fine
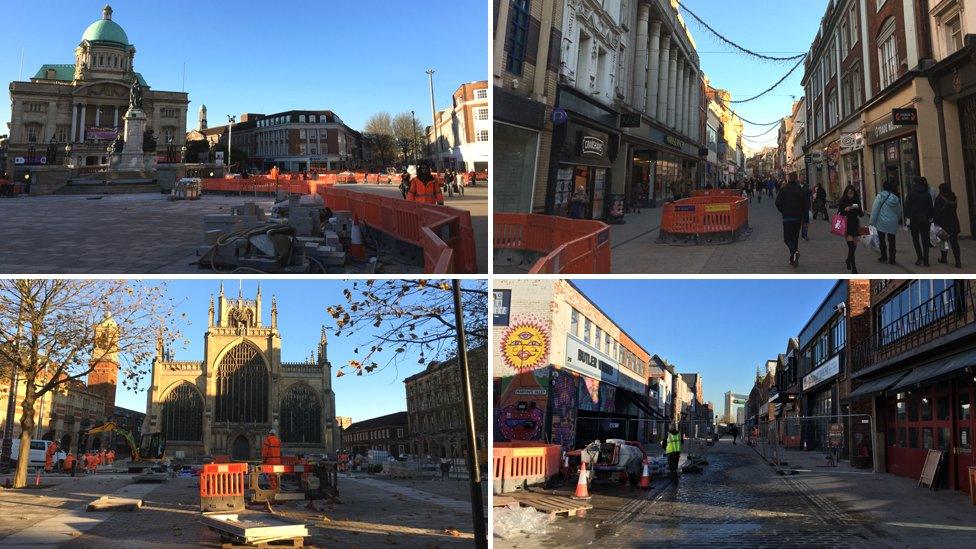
(945, 213)
(853, 216)
(793, 201)
(918, 205)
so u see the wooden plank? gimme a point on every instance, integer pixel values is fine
(502, 501)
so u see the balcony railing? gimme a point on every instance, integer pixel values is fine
(940, 316)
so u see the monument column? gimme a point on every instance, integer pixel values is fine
(640, 59)
(679, 106)
(672, 84)
(115, 117)
(98, 115)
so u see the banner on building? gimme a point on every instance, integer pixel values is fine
(565, 388)
(101, 133)
(521, 403)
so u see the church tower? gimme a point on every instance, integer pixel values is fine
(104, 376)
(202, 123)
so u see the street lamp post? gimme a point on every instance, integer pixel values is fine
(230, 137)
(433, 120)
(413, 146)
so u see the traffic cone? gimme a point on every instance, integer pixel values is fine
(582, 491)
(37, 477)
(356, 248)
(645, 481)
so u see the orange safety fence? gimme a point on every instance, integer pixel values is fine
(568, 246)
(222, 486)
(520, 463)
(710, 219)
(260, 184)
(445, 234)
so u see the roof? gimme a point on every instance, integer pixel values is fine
(66, 73)
(437, 365)
(396, 418)
(106, 30)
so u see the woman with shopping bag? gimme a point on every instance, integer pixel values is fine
(886, 216)
(847, 223)
(946, 223)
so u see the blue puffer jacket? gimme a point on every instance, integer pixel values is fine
(886, 213)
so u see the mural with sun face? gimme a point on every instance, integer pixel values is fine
(525, 345)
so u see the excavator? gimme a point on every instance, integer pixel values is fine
(147, 457)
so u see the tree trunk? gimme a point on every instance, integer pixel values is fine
(26, 429)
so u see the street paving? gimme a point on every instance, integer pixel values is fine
(141, 233)
(762, 251)
(739, 501)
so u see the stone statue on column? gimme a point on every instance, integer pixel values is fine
(135, 95)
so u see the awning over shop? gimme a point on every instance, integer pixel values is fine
(937, 369)
(641, 404)
(873, 387)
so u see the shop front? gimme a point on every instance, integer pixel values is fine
(820, 396)
(663, 165)
(851, 147)
(586, 140)
(895, 152)
(519, 133)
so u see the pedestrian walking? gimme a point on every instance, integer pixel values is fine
(404, 182)
(672, 448)
(424, 188)
(947, 219)
(734, 431)
(793, 203)
(445, 468)
(69, 463)
(749, 190)
(850, 207)
(886, 216)
(820, 203)
(919, 211)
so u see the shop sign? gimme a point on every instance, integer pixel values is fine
(559, 116)
(586, 360)
(630, 120)
(823, 373)
(850, 142)
(592, 146)
(713, 208)
(674, 141)
(20, 160)
(814, 157)
(835, 435)
(501, 307)
(904, 117)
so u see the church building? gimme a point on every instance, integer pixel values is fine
(227, 403)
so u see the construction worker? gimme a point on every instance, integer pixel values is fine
(101, 456)
(111, 456)
(425, 188)
(49, 456)
(274, 172)
(672, 448)
(271, 449)
(69, 463)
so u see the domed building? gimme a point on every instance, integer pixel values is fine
(226, 403)
(84, 104)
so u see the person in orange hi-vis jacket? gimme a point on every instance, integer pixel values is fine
(271, 449)
(274, 172)
(69, 463)
(110, 456)
(49, 456)
(425, 188)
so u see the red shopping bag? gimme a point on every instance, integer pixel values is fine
(838, 225)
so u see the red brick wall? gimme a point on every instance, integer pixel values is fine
(876, 20)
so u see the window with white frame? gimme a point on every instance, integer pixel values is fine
(879, 4)
(887, 53)
(953, 34)
(482, 135)
(481, 93)
(844, 36)
(481, 114)
(574, 321)
(852, 18)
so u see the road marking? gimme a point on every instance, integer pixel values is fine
(933, 526)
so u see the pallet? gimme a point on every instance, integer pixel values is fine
(550, 504)
(502, 501)
(228, 543)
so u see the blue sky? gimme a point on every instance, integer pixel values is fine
(775, 28)
(354, 58)
(722, 329)
(301, 313)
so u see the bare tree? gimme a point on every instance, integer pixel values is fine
(56, 331)
(379, 137)
(408, 132)
(401, 319)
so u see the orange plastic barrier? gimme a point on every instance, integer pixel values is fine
(445, 234)
(709, 219)
(260, 184)
(570, 246)
(521, 463)
(222, 486)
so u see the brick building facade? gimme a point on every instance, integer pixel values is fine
(389, 433)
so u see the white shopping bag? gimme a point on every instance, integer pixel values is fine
(871, 240)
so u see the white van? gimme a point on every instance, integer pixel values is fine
(38, 450)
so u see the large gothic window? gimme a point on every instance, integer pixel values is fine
(183, 414)
(242, 387)
(300, 416)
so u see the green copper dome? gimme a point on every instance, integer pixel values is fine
(106, 30)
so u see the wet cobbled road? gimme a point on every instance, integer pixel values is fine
(737, 501)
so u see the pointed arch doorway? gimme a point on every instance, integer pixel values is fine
(240, 449)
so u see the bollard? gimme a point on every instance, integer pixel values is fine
(37, 477)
